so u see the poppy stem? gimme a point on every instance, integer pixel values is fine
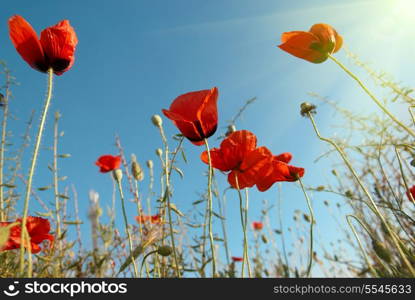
(130, 242)
(56, 190)
(378, 103)
(167, 172)
(33, 165)
(243, 222)
(310, 208)
(245, 237)
(3, 144)
(140, 225)
(372, 204)
(210, 209)
(369, 265)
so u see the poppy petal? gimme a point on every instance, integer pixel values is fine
(208, 113)
(108, 163)
(302, 45)
(326, 34)
(26, 42)
(59, 43)
(217, 159)
(284, 157)
(236, 146)
(187, 128)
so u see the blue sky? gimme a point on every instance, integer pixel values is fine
(135, 57)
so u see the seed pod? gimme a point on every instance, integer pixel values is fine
(307, 108)
(307, 218)
(231, 128)
(264, 239)
(164, 250)
(381, 251)
(117, 173)
(149, 164)
(157, 120)
(136, 170)
(159, 152)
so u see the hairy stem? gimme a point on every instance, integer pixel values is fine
(33, 165)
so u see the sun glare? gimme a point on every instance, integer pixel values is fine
(404, 9)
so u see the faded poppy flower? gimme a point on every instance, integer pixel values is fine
(277, 169)
(195, 114)
(411, 192)
(108, 163)
(314, 45)
(239, 156)
(257, 225)
(55, 49)
(155, 219)
(38, 230)
(237, 259)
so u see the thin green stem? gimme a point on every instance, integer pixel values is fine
(140, 225)
(360, 243)
(167, 172)
(378, 103)
(312, 221)
(244, 223)
(284, 250)
(3, 145)
(33, 165)
(248, 263)
(56, 190)
(130, 242)
(372, 204)
(210, 209)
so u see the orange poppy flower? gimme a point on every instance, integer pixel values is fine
(237, 259)
(156, 219)
(314, 45)
(257, 225)
(278, 169)
(55, 49)
(108, 163)
(38, 229)
(195, 114)
(239, 155)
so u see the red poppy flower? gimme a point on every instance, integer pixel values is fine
(314, 45)
(410, 193)
(38, 229)
(239, 155)
(257, 225)
(237, 259)
(195, 114)
(277, 170)
(156, 219)
(55, 49)
(108, 163)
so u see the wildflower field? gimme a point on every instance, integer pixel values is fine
(203, 157)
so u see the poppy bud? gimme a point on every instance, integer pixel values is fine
(264, 239)
(117, 173)
(381, 251)
(157, 121)
(136, 169)
(413, 162)
(307, 108)
(164, 250)
(57, 115)
(159, 152)
(231, 129)
(150, 164)
(307, 218)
